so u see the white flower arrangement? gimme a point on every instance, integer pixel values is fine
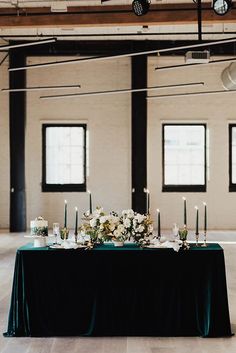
(138, 226)
(104, 227)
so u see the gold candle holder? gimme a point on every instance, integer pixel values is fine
(183, 234)
(204, 245)
(64, 232)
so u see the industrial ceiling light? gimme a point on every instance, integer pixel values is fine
(28, 44)
(221, 7)
(122, 91)
(140, 7)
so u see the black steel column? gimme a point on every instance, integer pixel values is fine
(139, 133)
(17, 143)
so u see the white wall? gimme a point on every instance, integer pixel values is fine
(4, 146)
(216, 111)
(108, 119)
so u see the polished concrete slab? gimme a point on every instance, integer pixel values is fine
(8, 245)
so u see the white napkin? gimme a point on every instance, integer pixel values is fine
(163, 243)
(69, 245)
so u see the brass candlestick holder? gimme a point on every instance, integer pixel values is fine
(204, 245)
(183, 234)
(64, 233)
(197, 238)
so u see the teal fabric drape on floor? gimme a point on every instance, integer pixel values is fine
(126, 291)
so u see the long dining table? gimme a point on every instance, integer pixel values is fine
(127, 291)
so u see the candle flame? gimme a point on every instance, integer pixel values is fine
(133, 190)
(144, 189)
(158, 211)
(89, 192)
(196, 208)
(65, 201)
(147, 191)
(76, 208)
(184, 198)
(204, 203)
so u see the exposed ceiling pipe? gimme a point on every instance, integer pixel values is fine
(102, 58)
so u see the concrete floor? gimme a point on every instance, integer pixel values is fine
(8, 245)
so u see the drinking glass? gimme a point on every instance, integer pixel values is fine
(56, 231)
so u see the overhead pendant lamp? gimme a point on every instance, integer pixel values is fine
(140, 7)
(221, 7)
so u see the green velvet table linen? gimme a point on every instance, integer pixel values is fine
(128, 291)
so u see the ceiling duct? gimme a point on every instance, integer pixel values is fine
(228, 77)
(197, 57)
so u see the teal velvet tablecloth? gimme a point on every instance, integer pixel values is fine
(126, 291)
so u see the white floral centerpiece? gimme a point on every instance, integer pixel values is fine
(137, 226)
(106, 227)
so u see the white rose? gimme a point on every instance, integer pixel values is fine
(117, 233)
(127, 223)
(140, 229)
(93, 222)
(140, 218)
(121, 228)
(103, 219)
(130, 214)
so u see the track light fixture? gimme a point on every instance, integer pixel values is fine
(221, 7)
(140, 7)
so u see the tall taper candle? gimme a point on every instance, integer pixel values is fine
(185, 211)
(76, 221)
(197, 220)
(205, 216)
(158, 224)
(148, 201)
(65, 214)
(90, 202)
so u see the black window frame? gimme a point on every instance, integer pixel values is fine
(63, 187)
(232, 186)
(184, 188)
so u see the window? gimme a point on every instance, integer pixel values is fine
(232, 157)
(184, 157)
(64, 157)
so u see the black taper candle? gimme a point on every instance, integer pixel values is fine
(205, 216)
(197, 220)
(76, 221)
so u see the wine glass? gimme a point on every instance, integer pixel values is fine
(56, 231)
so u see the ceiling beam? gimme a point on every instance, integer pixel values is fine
(163, 14)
